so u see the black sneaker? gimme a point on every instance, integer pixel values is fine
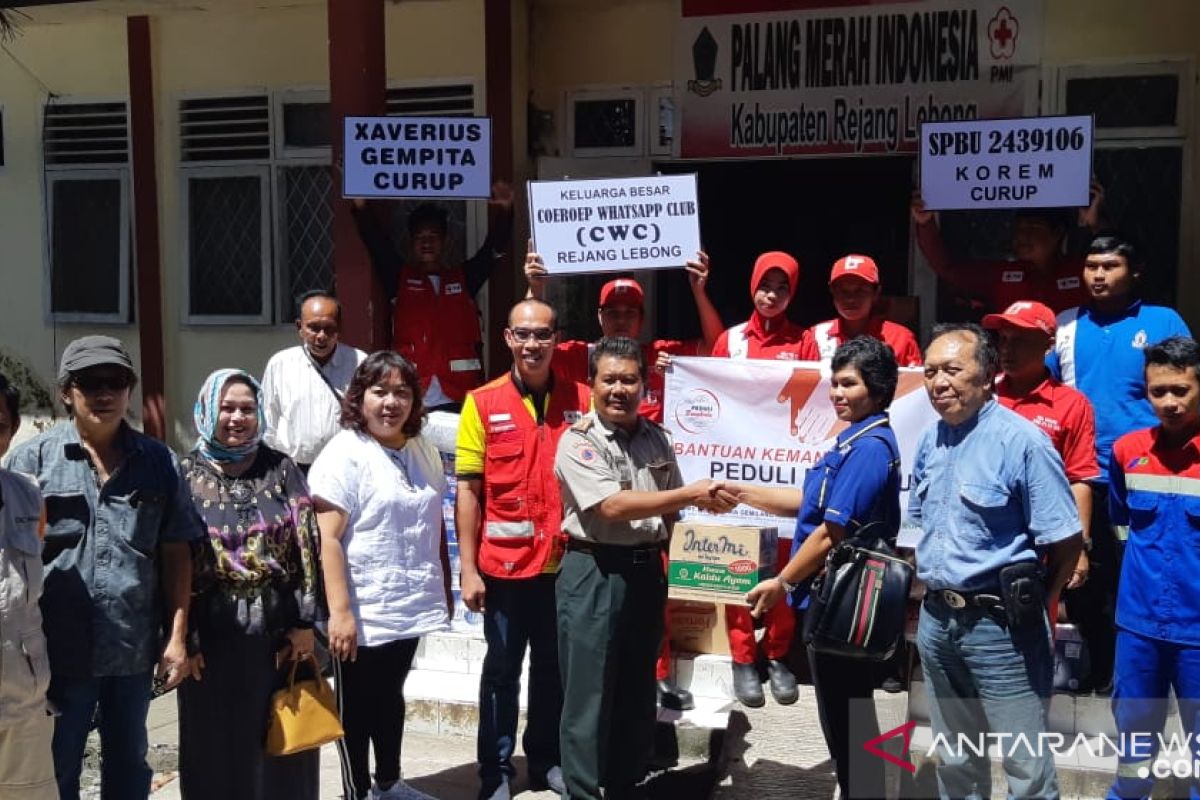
(747, 687)
(674, 698)
(783, 683)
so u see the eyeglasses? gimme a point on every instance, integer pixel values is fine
(90, 384)
(523, 334)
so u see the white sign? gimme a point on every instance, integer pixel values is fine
(847, 78)
(766, 422)
(417, 157)
(615, 224)
(1037, 162)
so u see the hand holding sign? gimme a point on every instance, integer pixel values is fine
(535, 273)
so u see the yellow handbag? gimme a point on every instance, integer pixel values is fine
(303, 715)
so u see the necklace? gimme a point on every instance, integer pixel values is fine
(398, 459)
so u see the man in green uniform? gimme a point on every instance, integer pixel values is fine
(621, 489)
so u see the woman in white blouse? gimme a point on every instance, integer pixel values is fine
(378, 489)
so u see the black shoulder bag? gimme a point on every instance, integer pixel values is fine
(858, 604)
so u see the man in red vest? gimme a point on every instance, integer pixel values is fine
(435, 322)
(509, 521)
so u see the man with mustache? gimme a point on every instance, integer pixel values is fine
(621, 491)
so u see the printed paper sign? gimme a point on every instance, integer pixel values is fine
(1037, 162)
(417, 157)
(615, 224)
(766, 422)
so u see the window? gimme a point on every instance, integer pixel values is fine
(607, 123)
(85, 148)
(225, 147)
(258, 195)
(1140, 155)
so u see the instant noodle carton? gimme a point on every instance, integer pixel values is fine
(719, 563)
(697, 627)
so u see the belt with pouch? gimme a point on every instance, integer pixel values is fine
(986, 600)
(640, 554)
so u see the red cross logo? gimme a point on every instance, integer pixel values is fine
(1002, 30)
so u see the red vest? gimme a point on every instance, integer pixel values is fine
(522, 508)
(439, 331)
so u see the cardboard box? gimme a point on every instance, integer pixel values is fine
(719, 563)
(697, 627)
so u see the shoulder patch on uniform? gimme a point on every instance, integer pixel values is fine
(584, 452)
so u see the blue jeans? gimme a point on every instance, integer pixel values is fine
(983, 677)
(1145, 669)
(518, 614)
(119, 705)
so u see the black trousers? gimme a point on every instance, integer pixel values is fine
(370, 695)
(1093, 606)
(610, 626)
(222, 718)
(845, 689)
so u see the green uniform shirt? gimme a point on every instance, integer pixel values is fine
(595, 461)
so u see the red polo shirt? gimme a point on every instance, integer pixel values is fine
(823, 338)
(746, 341)
(1001, 283)
(571, 361)
(1065, 415)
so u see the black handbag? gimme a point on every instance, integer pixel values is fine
(858, 605)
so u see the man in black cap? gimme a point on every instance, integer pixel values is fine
(118, 567)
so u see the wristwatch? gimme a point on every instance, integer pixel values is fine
(787, 587)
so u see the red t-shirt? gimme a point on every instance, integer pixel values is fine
(745, 341)
(823, 338)
(1001, 283)
(571, 362)
(1065, 415)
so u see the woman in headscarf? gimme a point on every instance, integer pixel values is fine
(767, 334)
(256, 595)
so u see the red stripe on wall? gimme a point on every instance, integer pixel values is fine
(716, 8)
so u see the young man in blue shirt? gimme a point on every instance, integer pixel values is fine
(1098, 350)
(1155, 496)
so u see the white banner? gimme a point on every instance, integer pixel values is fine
(615, 224)
(417, 157)
(766, 422)
(754, 79)
(1035, 162)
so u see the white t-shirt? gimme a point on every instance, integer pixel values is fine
(392, 541)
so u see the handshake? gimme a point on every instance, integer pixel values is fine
(713, 497)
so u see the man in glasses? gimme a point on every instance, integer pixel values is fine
(118, 567)
(509, 521)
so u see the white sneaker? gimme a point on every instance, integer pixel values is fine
(554, 779)
(399, 791)
(502, 791)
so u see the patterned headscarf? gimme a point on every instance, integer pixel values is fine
(208, 406)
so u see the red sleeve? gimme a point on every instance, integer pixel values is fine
(571, 360)
(1079, 443)
(675, 347)
(721, 346)
(904, 345)
(808, 346)
(964, 277)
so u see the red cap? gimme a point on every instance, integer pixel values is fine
(621, 292)
(861, 266)
(1024, 314)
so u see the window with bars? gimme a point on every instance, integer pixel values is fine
(258, 195)
(85, 147)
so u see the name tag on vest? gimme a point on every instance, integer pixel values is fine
(454, 288)
(571, 417)
(1012, 276)
(1068, 283)
(415, 284)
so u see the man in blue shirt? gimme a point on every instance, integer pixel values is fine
(1098, 350)
(990, 493)
(1155, 496)
(118, 568)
